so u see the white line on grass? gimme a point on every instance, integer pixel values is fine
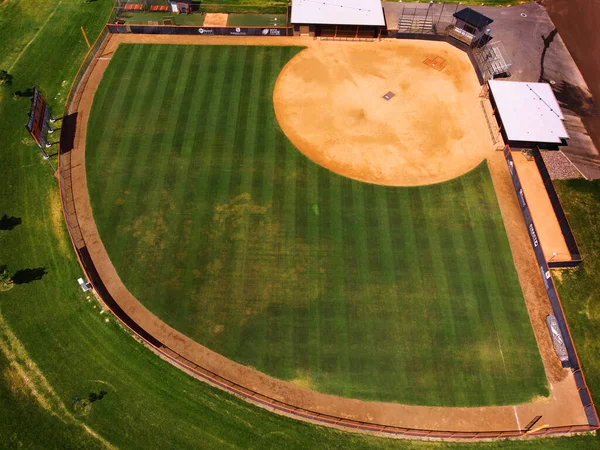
(501, 354)
(34, 37)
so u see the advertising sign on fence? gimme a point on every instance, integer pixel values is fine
(202, 31)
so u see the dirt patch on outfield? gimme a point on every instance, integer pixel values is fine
(562, 407)
(215, 20)
(329, 102)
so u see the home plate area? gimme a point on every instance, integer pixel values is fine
(435, 62)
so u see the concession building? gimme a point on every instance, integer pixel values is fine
(338, 18)
(528, 114)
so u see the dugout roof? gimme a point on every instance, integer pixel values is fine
(529, 111)
(473, 18)
(338, 12)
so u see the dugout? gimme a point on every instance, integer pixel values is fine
(528, 114)
(470, 27)
(338, 19)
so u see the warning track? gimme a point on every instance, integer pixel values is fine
(561, 409)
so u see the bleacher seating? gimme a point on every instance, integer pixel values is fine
(134, 7)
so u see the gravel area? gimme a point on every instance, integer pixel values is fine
(558, 165)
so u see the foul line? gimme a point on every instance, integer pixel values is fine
(34, 37)
(517, 417)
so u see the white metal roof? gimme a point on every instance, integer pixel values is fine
(529, 111)
(338, 12)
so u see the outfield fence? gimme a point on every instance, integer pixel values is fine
(201, 31)
(552, 293)
(68, 143)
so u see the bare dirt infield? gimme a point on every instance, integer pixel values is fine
(328, 101)
(215, 20)
(562, 407)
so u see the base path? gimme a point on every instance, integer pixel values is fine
(561, 408)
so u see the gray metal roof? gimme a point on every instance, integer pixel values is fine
(529, 111)
(338, 12)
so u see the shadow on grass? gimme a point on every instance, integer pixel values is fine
(67, 133)
(8, 223)
(25, 276)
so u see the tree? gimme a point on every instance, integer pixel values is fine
(5, 78)
(6, 281)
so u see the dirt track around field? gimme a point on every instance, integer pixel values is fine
(562, 407)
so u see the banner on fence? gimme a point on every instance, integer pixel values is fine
(201, 31)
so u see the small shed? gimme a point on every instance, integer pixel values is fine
(528, 114)
(182, 6)
(338, 18)
(470, 26)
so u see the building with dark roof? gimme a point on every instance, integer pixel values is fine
(470, 27)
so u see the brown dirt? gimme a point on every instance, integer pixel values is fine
(546, 225)
(215, 20)
(562, 407)
(328, 101)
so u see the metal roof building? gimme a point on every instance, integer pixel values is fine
(528, 112)
(347, 16)
(338, 12)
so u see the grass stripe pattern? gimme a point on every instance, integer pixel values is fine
(219, 226)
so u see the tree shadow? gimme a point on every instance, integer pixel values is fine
(547, 41)
(25, 276)
(67, 134)
(26, 93)
(93, 397)
(576, 99)
(8, 223)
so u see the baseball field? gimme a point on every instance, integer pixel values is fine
(55, 344)
(220, 227)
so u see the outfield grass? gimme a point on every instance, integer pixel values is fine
(257, 20)
(149, 404)
(228, 233)
(144, 18)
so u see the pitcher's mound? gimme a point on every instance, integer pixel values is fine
(328, 100)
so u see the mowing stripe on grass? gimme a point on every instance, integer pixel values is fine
(232, 236)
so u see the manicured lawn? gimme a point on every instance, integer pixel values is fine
(228, 233)
(257, 20)
(147, 18)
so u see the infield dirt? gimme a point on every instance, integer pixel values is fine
(562, 407)
(329, 102)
